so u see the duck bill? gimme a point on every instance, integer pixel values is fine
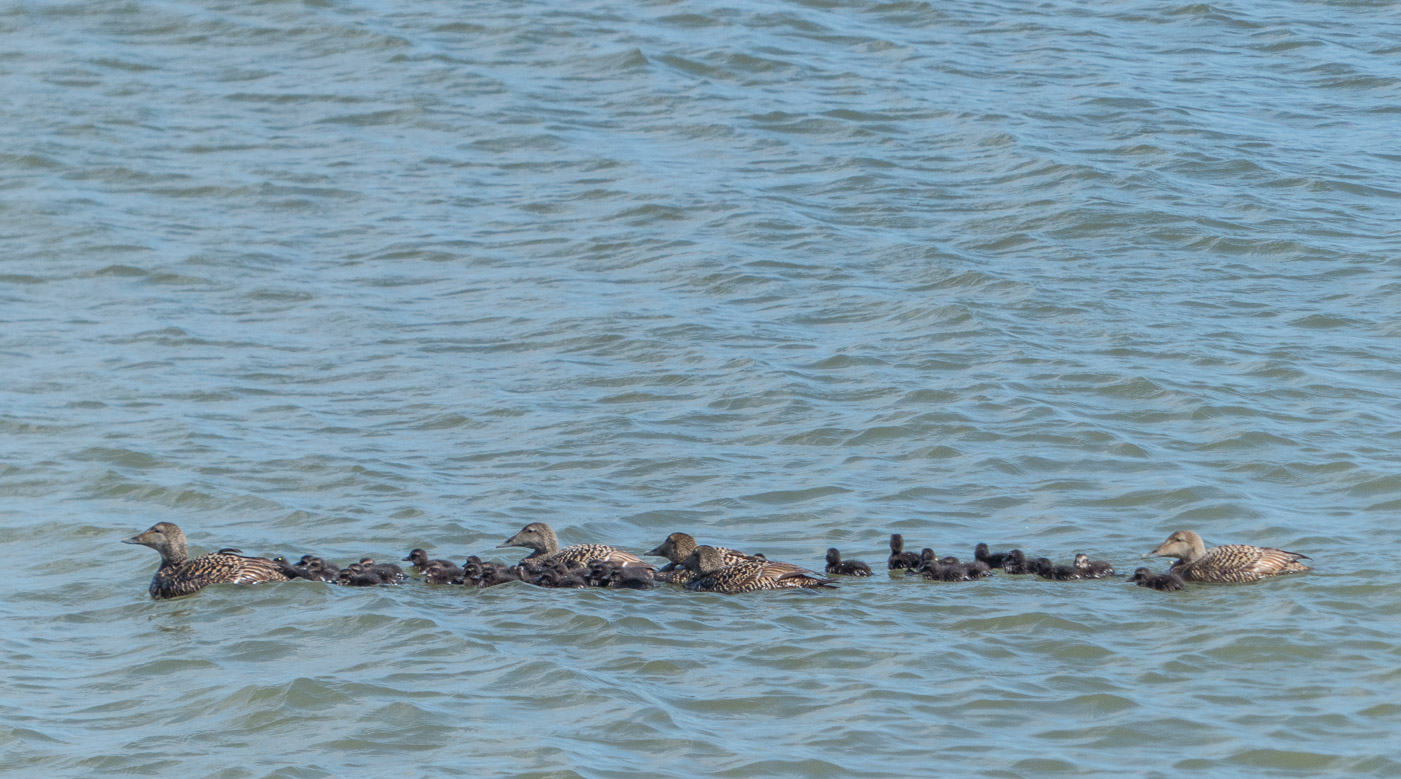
(658, 552)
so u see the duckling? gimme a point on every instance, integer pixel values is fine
(1016, 563)
(990, 559)
(1092, 569)
(1046, 569)
(389, 572)
(1164, 581)
(715, 576)
(180, 575)
(494, 573)
(316, 568)
(436, 573)
(541, 538)
(291, 571)
(951, 569)
(837, 567)
(1228, 563)
(679, 546)
(420, 560)
(900, 559)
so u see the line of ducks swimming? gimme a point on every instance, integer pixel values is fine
(697, 567)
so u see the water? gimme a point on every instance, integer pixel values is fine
(354, 278)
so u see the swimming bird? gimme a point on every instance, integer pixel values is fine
(679, 546)
(838, 567)
(541, 538)
(899, 558)
(179, 574)
(1091, 569)
(990, 559)
(1227, 563)
(1016, 563)
(419, 558)
(1163, 581)
(950, 569)
(715, 576)
(1046, 569)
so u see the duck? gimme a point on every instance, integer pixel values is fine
(1046, 569)
(389, 572)
(419, 558)
(900, 559)
(838, 567)
(1227, 563)
(180, 575)
(1163, 581)
(990, 559)
(292, 571)
(1091, 569)
(713, 575)
(679, 546)
(1016, 564)
(441, 572)
(541, 539)
(950, 569)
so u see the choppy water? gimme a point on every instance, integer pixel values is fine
(358, 277)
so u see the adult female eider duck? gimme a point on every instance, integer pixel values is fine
(679, 546)
(1228, 563)
(540, 538)
(180, 575)
(715, 576)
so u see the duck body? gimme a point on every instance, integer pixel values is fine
(541, 539)
(990, 559)
(1092, 569)
(1046, 569)
(713, 575)
(900, 559)
(1016, 563)
(836, 566)
(678, 547)
(1230, 563)
(1166, 582)
(181, 575)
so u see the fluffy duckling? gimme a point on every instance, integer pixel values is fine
(990, 559)
(419, 558)
(838, 567)
(179, 574)
(1228, 563)
(715, 576)
(1163, 581)
(900, 559)
(1092, 569)
(1016, 563)
(1046, 569)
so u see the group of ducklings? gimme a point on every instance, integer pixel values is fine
(696, 567)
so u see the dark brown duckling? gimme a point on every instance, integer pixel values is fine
(1046, 569)
(715, 576)
(951, 569)
(990, 559)
(900, 559)
(1016, 563)
(292, 571)
(1228, 563)
(838, 567)
(495, 572)
(316, 568)
(179, 574)
(436, 573)
(419, 558)
(1092, 569)
(1167, 582)
(389, 572)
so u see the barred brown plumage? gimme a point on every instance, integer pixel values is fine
(1228, 563)
(679, 546)
(179, 575)
(713, 575)
(541, 538)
